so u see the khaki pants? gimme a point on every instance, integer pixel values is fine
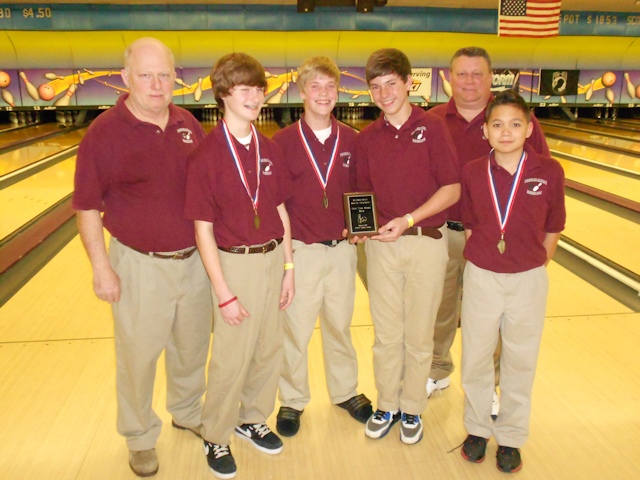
(449, 312)
(246, 359)
(165, 305)
(325, 286)
(405, 281)
(512, 306)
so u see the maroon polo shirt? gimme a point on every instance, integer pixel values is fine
(538, 209)
(471, 143)
(136, 174)
(406, 167)
(216, 194)
(310, 221)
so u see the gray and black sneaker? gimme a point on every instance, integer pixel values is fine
(380, 423)
(260, 436)
(508, 459)
(220, 460)
(410, 429)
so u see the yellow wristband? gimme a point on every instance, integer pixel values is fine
(288, 266)
(410, 218)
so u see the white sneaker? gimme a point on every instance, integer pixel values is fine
(433, 385)
(495, 406)
(410, 429)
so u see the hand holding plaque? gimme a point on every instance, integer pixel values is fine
(361, 214)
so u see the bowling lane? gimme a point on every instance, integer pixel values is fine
(9, 126)
(595, 155)
(605, 233)
(593, 137)
(19, 158)
(25, 134)
(357, 123)
(620, 185)
(593, 128)
(30, 197)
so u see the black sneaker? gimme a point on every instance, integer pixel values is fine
(260, 436)
(220, 460)
(288, 421)
(474, 448)
(508, 459)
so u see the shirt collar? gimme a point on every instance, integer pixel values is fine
(532, 159)
(417, 115)
(309, 132)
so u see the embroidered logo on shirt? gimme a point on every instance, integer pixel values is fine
(187, 135)
(419, 135)
(534, 185)
(346, 158)
(266, 165)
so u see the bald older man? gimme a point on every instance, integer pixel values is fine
(131, 165)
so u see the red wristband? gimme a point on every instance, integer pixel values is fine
(227, 302)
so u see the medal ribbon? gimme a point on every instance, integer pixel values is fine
(312, 159)
(236, 159)
(502, 220)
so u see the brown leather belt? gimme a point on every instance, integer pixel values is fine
(175, 256)
(267, 247)
(426, 231)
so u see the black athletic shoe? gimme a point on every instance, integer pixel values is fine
(261, 437)
(508, 459)
(288, 421)
(474, 448)
(220, 460)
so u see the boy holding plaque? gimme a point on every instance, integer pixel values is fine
(237, 184)
(513, 211)
(318, 151)
(408, 159)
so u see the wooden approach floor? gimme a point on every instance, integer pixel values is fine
(58, 408)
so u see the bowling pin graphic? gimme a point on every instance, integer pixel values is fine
(562, 99)
(80, 79)
(180, 82)
(589, 94)
(446, 86)
(278, 96)
(609, 94)
(89, 72)
(65, 100)
(31, 90)
(197, 94)
(7, 97)
(516, 87)
(631, 90)
(53, 76)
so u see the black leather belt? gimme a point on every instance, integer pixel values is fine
(267, 247)
(457, 226)
(425, 231)
(331, 243)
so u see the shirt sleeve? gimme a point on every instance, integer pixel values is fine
(199, 203)
(537, 140)
(362, 179)
(557, 213)
(283, 175)
(442, 154)
(466, 205)
(90, 186)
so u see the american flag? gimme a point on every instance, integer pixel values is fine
(529, 18)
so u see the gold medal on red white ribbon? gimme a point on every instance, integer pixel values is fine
(236, 159)
(323, 181)
(503, 219)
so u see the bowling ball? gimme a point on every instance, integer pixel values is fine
(46, 92)
(608, 79)
(5, 80)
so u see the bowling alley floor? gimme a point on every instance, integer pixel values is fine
(58, 406)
